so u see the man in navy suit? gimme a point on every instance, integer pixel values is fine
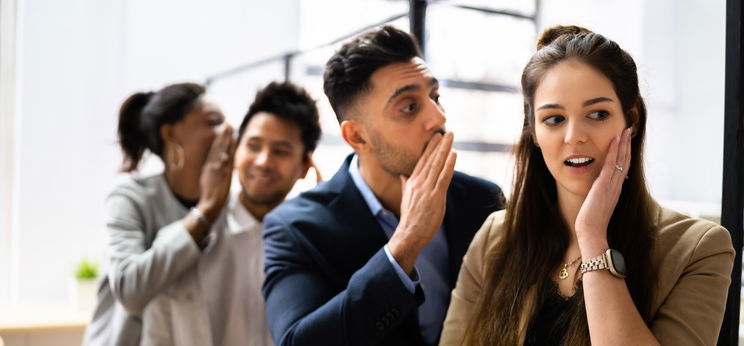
(370, 257)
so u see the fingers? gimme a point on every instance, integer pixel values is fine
(445, 177)
(422, 166)
(608, 167)
(233, 145)
(622, 149)
(440, 157)
(222, 149)
(626, 153)
(221, 142)
(431, 164)
(435, 167)
(617, 162)
(622, 161)
(612, 152)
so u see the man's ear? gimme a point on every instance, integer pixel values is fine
(355, 135)
(308, 162)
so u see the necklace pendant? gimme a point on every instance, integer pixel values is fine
(564, 274)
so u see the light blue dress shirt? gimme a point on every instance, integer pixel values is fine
(432, 265)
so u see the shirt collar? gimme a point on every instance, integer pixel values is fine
(369, 197)
(239, 219)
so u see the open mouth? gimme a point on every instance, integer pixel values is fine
(578, 161)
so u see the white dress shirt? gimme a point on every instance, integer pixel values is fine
(218, 301)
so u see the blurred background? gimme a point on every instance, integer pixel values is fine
(66, 66)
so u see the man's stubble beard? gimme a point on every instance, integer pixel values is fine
(392, 159)
(270, 198)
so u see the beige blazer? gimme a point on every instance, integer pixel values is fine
(694, 258)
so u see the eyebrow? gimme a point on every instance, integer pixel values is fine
(273, 143)
(411, 87)
(586, 103)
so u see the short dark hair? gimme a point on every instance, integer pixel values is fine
(348, 70)
(290, 102)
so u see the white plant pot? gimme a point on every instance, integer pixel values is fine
(83, 294)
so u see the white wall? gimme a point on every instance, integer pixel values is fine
(80, 59)
(7, 104)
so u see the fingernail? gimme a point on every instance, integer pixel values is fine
(436, 137)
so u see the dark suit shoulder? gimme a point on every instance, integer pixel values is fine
(299, 211)
(307, 205)
(478, 190)
(473, 181)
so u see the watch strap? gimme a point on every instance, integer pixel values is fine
(596, 263)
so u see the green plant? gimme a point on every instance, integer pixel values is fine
(86, 270)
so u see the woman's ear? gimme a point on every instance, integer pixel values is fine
(529, 123)
(354, 135)
(534, 137)
(167, 133)
(634, 118)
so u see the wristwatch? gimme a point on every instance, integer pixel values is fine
(611, 260)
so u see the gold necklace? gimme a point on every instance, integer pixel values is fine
(564, 272)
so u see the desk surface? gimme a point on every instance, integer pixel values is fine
(31, 317)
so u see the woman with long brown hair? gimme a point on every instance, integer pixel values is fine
(583, 254)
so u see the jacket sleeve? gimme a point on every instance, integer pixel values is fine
(692, 313)
(304, 307)
(468, 288)
(136, 273)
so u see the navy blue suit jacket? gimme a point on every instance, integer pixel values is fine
(328, 280)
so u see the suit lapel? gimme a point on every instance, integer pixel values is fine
(357, 226)
(456, 239)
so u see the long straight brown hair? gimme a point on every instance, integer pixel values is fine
(534, 235)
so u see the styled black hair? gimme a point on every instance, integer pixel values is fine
(143, 113)
(290, 102)
(348, 70)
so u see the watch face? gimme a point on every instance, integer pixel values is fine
(618, 261)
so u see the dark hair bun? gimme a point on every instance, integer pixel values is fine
(552, 33)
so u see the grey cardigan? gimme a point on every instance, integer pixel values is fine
(139, 265)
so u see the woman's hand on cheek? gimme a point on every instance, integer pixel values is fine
(594, 215)
(217, 172)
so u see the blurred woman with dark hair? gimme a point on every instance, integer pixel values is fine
(583, 254)
(157, 225)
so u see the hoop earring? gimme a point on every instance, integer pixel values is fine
(180, 154)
